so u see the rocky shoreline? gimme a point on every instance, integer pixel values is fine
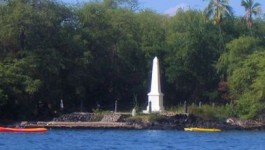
(125, 121)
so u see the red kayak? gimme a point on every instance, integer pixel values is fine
(4, 129)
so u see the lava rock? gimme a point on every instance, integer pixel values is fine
(75, 117)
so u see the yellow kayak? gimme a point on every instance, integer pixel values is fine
(4, 129)
(203, 129)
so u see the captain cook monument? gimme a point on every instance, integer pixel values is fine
(155, 96)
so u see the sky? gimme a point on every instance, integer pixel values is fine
(170, 6)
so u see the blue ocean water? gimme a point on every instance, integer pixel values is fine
(56, 139)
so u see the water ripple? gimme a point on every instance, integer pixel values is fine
(132, 139)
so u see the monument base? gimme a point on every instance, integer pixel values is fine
(147, 111)
(155, 103)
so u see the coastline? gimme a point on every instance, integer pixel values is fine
(165, 122)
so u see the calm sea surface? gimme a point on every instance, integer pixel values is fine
(132, 140)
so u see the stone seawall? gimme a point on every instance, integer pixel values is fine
(75, 116)
(86, 125)
(121, 121)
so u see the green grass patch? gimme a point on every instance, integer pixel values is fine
(214, 113)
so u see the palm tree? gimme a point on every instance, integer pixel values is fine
(251, 8)
(218, 9)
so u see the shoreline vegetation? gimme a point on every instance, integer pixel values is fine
(164, 121)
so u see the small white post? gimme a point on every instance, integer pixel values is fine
(61, 104)
(116, 105)
(133, 112)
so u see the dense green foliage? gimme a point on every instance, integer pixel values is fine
(214, 113)
(98, 52)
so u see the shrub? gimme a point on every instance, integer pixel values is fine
(215, 113)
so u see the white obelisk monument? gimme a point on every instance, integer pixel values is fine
(155, 96)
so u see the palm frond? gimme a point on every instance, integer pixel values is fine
(217, 9)
(251, 8)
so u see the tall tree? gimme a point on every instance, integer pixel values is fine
(39, 29)
(190, 55)
(218, 9)
(130, 4)
(251, 8)
(237, 50)
(247, 86)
